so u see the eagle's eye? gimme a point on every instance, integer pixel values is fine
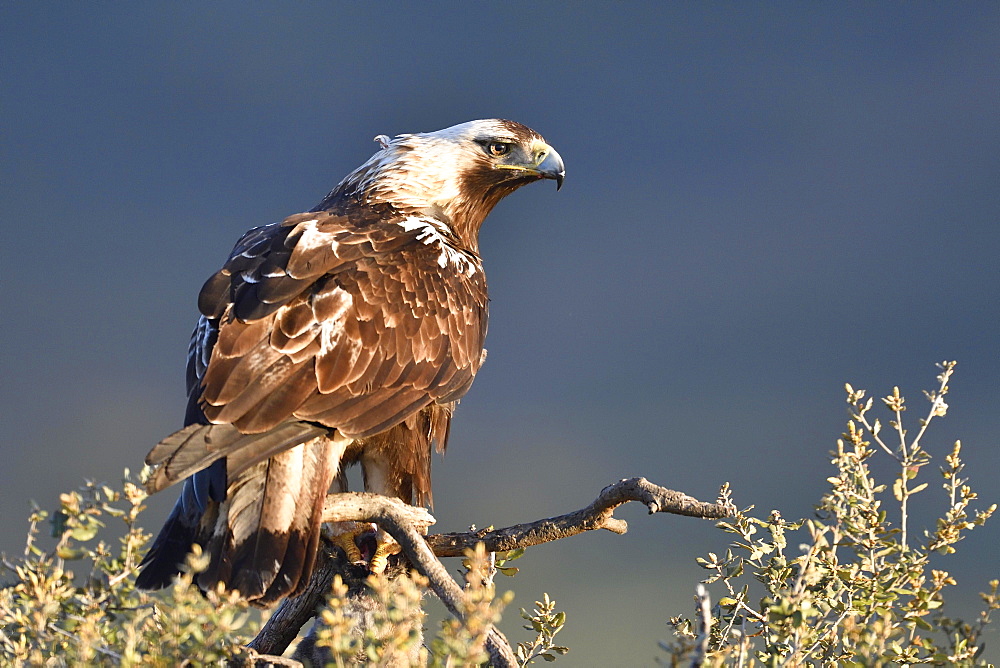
(498, 148)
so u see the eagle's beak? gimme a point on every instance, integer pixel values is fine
(546, 164)
(550, 165)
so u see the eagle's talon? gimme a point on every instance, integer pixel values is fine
(346, 540)
(380, 560)
(364, 545)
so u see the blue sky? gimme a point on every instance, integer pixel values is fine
(763, 201)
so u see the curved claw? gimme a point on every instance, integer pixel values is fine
(364, 545)
(347, 541)
(383, 551)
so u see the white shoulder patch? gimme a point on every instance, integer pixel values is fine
(431, 234)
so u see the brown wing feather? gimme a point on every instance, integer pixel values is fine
(365, 415)
(198, 445)
(262, 383)
(366, 325)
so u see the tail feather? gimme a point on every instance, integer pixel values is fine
(259, 521)
(254, 502)
(263, 535)
(196, 446)
(303, 544)
(182, 529)
(255, 510)
(265, 539)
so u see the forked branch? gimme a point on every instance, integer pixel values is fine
(598, 515)
(406, 523)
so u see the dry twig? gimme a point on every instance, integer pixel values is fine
(598, 515)
(405, 524)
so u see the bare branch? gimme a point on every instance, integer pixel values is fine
(704, 625)
(256, 660)
(405, 523)
(598, 515)
(364, 507)
(283, 626)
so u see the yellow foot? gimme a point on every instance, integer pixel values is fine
(345, 534)
(363, 544)
(383, 550)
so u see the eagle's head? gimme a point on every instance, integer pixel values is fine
(456, 175)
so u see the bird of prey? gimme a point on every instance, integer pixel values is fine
(343, 335)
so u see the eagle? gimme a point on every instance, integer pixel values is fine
(344, 335)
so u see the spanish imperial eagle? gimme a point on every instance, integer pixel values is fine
(339, 336)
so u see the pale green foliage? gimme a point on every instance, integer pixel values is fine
(861, 585)
(394, 631)
(501, 562)
(91, 614)
(49, 617)
(546, 622)
(461, 642)
(859, 590)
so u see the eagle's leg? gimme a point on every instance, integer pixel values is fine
(345, 534)
(383, 550)
(381, 477)
(363, 543)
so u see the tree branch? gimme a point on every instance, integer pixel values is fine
(283, 626)
(405, 524)
(395, 517)
(598, 515)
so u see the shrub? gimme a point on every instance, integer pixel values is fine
(862, 589)
(76, 603)
(92, 614)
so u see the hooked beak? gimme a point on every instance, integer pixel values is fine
(546, 164)
(551, 166)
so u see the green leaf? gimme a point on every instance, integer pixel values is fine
(70, 553)
(515, 554)
(85, 532)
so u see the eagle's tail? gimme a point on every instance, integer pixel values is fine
(197, 446)
(164, 559)
(261, 526)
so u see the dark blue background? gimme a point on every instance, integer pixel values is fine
(763, 201)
